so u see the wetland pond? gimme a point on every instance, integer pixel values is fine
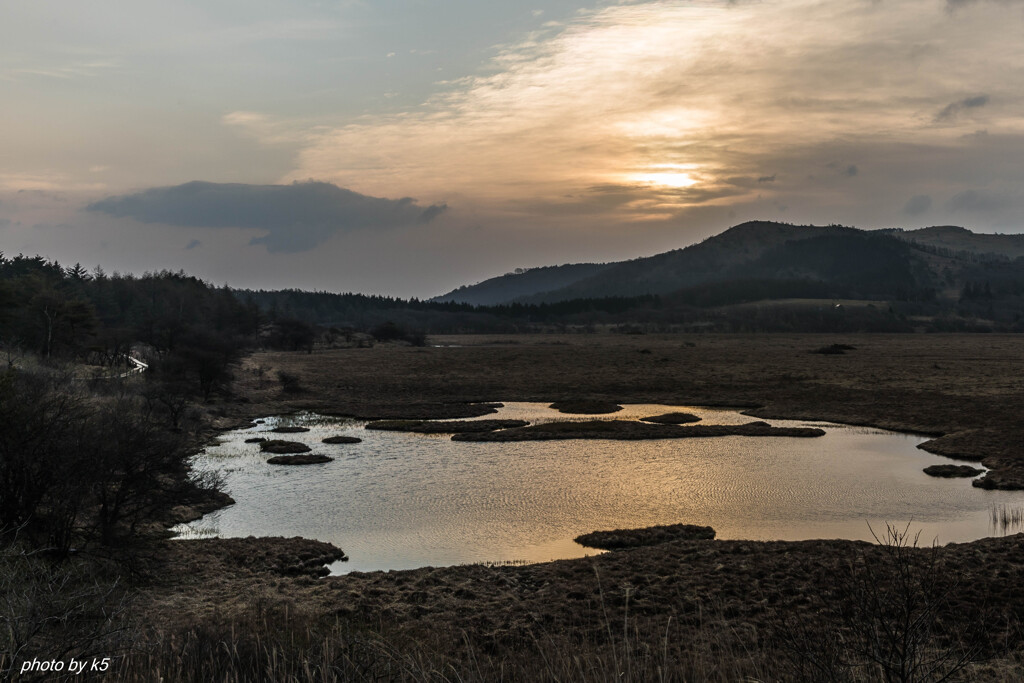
(404, 500)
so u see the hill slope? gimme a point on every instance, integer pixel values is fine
(514, 286)
(762, 259)
(958, 239)
(716, 259)
(666, 272)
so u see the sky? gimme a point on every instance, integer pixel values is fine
(406, 147)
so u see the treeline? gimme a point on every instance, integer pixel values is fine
(711, 307)
(84, 458)
(193, 330)
(959, 254)
(849, 264)
(379, 316)
(196, 331)
(859, 265)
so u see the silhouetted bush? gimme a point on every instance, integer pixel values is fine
(291, 383)
(289, 334)
(896, 620)
(389, 331)
(77, 466)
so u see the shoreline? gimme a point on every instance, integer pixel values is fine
(418, 399)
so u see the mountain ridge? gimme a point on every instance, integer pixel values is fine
(763, 250)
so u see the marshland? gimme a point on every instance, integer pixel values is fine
(683, 608)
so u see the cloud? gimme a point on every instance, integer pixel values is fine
(917, 205)
(296, 217)
(431, 212)
(953, 5)
(952, 110)
(262, 127)
(976, 201)
(65, 71)
(46, 181)
(705, 90)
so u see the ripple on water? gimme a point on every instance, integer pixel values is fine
(400, 500)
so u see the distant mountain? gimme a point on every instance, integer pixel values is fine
(757, 276)
(768, 259)
(961, 239)
(520, 284)
(713, 259)
(716, 259)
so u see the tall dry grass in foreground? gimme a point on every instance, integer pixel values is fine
(892, 621)
(889, 617)
(273, 645)
(276, 645)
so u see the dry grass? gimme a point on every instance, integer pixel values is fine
(535, 622)
(278, 643)
(341, 439)
(587, 407)
(672, 418)
(701, 619)
(631, 431)
(305, 459)
(281, 447)
(1008, 518)
(652, 535)
(444, 426)
(952, 471)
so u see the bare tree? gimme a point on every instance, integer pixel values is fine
(895, 620)
(60, 609)
(898, 607)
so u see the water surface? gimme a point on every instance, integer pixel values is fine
(400, 501)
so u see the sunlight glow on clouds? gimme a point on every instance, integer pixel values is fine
(786, 89)
(668, 175)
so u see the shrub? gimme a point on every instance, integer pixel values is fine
(81, 466)
(290, 382)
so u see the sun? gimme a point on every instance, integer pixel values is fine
(666, 179)
(665, 175)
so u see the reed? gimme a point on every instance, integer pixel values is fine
(1007, 518)
(279, 643)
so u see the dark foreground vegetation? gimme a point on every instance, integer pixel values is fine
(106, 391)
(91, 473)
(682, 610)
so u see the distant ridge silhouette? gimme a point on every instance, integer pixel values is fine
(879, 263)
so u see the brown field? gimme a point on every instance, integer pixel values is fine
(968, 389)
(680, 610)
